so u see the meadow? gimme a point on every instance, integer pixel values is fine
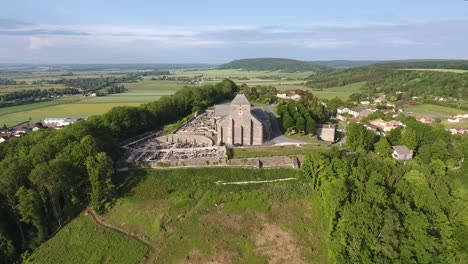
(191, 219)
(82, 241)
(438, 70)
(437, 111)
(342, 92)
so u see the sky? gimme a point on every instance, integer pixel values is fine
(187, 31)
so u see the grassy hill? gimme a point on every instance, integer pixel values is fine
(191, 219)
(273, 64)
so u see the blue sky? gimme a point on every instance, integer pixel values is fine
(144, 31)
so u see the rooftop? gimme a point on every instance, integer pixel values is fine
(240, 99)
(402, 150)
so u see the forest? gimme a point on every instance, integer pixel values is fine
(383, 211)
(273, 64)
(49, 176)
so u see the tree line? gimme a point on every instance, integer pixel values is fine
(49, 176)
(380, 210)
(303, 115)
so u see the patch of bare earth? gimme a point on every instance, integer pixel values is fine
(217, 217)
(196, 257)
(277, 244)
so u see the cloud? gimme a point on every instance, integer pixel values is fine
(37, 43)
(97, 43)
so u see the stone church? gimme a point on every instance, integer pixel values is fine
(238, 123)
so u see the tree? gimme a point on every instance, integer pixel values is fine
(382, 147)
(359, 138)
(29, 207)
(300, 124)
(310, 125)
(100, 170)
(409, 138)
(288, 122)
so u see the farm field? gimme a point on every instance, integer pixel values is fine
(82, 241)
(79, 109)
(437, 111)
(342, 92)
(235, 74)
(190, 218)
(138, 92)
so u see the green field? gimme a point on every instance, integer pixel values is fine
(342, 92)
(77, 106)
(190, 219)
(437, 111)
(79, 109)
(82, 241)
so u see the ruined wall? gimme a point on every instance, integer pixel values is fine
(173, 138)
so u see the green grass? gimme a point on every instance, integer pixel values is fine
(342, 92)
(190, 218)
(138, 92)
(79, 109)
(82, 241)
(266, 151)
(27, 107)
(437, 111)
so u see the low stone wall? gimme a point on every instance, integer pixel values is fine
(294, 162)
(173, 138)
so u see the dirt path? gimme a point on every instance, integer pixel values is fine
(98, 220)
(249, 182)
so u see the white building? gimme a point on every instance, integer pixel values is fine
(61, 121)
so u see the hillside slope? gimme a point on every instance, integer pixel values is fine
(273, 64)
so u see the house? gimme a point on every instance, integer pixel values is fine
(453, 119)
(423, 120)
(326, 132)
(462, 116)
(384, 125)
(3, 139)
(365, 102)
(390, 104)
(342, 110)
(402, 153)
(360, 111)
(295, 97)
(379, 99)
(458, 131)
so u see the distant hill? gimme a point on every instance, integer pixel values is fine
(273, 64)
(344, 64)
(424, 64)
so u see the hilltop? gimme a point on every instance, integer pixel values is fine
(273, 64)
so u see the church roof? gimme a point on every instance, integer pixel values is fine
(240, 99)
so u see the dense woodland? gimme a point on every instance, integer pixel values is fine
(49, 176)
(383, 211)
(273, 64)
